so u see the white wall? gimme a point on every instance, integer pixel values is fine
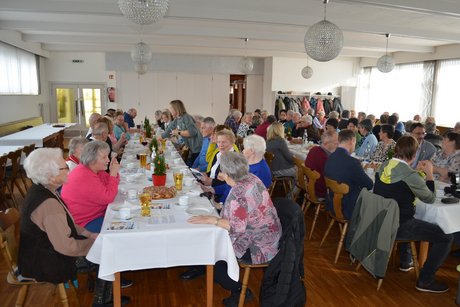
(254, 90)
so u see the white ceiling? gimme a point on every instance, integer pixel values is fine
(217, 27)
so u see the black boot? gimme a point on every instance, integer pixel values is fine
(103, 294)
(233, 299)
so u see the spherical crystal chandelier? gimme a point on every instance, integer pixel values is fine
(307, 72)
(323, 40)
(141, 53)
(246, 64)
(141, 68)
(386, 63)
(143, 12)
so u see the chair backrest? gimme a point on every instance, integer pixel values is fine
(3, 161)
(15, 157)
(339, 190)
(269, 156)
(312, 176)
(9, 237)
(300, 174)
(28, 149)
(239, 143)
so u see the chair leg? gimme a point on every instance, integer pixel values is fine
(19, 188)
(415, 258)
(379, 284)
(318, 206)
(22, 296)
(272, 188)
(247, 271)
(342, 237)
(63, 295)
(327, 232)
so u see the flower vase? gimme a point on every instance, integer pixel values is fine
(159, 180)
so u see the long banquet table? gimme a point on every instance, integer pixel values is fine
(163, 240)
(36, 135)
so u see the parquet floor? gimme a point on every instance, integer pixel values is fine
(327, 284)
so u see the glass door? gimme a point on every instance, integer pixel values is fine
(74, 103)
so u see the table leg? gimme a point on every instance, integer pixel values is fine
(209, 284)
(117, 290)
(423, 252)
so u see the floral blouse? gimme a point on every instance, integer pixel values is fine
(254, 223)
(243, 130)
(381, 151)
(452, 162)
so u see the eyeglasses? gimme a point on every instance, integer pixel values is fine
(64, 168)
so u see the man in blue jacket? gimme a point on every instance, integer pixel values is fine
(343, 168)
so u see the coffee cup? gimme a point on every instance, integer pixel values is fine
(188, 181)
(132, 194)
(125, 213)
(183, 200)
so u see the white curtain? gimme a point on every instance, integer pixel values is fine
(18, 71)
(406, 90)
(446, 108)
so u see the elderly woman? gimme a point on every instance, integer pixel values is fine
(448, 158)
(368, 142)
(283, 163)
(184, 126)
(254, 150)
(165, 119)
(117, 145)
(75, 148)
(245, 125)
(250, 218)
(89, 188)
(386, 144)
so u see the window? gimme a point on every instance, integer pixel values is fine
(407, 90)
(18, 71)
(446, 102)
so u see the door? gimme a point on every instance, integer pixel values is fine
(74, 103)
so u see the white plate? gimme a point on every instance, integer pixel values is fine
(199, 211)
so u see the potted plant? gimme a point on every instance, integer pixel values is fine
(147, 128)
(153, 146)
(159, 171)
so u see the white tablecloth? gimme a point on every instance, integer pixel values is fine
(4, 150)
(151, 245)
(298, 151)
(34, 135)
(446, 216)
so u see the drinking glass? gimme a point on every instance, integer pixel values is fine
(178, 178)
(143, 160)
(145, 204)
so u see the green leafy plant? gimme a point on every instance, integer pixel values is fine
(159, 167)
(153, 146)
(147, 128)
(390, 153)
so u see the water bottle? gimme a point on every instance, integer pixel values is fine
(305, 138)
(367, 153)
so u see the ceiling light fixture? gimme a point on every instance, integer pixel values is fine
(143, 12)
(323, 40)
(247, 65)
(307, 71)
(386, 63)
(141, 56)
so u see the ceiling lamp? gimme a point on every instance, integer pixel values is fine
(141, 68)
(143, 12)
(307, 71)
(141, 53)
(386, 63)
(323, 40)
(247, 65)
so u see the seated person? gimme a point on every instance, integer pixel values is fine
(283, 163)
(331, 124)
(262, 128)
(317, 157)
(353, 126)
(254, 150)
(119, 128)
(386, 144)
(343, 168)
(432, 135)
(207, 127)
(50, 241)
(368, 143)
(306, 124)
(244, 127)
(89, 188)
(425, 150)
(115, 145)
(75, 148)
(448, 158)
(396, 179)
(393, 120)
(250, 218)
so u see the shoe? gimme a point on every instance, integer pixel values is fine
(406, 267)
(433, 287)
(234, 298)
(193, 273)
(125, 300)
(125, 283)
(455, 253)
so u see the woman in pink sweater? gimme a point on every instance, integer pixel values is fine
(89, 188)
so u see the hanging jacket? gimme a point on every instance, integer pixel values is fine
(319, 106)
(282, 284)
(305, 104)
(313, 102)
(337, 105)
(372, 231)
(287, 103)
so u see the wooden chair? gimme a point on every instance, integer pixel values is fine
(22, 172)
(13, 172)
(301, 183)
(285, 181)
(5, 190)
(247, 271)
(239, 143)
(311, 198)
(9, 238)
(339, 190)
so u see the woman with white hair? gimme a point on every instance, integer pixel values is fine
(90, 188)
(254, 150)
(250, 218)
(75, 148)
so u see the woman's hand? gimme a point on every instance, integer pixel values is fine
(206, 180)
(426, 167)
(114, 167)
(94, 235)
(203, 219)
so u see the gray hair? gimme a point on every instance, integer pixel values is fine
(75, 143)
(198, 118)
(256, 143)
(209, 121)
(430, 127)
(237, 114)
(308, 120)
(290, 112)
(90, 151)
(334, 114)
(42, 164)
(100, 128)
(235, 165)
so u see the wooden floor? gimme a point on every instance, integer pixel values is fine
(327, 284)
